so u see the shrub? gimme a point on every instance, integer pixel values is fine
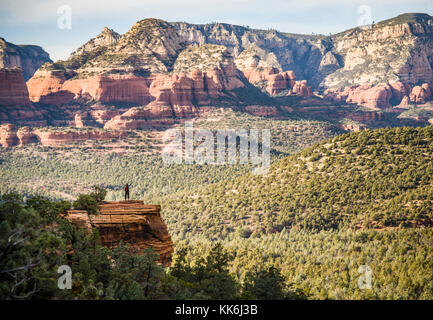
(99, 193)
(86, 202)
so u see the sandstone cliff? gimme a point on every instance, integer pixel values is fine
(171, 70)
(106, 38)
(11, 136)
(13, 89)
(152, 48)
(26, 57)
(373, 59)
(15, 105)
(268, 59)
(132, 222)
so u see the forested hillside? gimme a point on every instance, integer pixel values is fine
(304, 230)
(64, 172)
(371, 179)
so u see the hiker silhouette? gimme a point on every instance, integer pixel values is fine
(126, 192)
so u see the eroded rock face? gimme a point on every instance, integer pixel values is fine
(381, 96)
(142, 118)
(26, 57)
(301, 88)
(11, 136)
(277, 82)
(404, 103)
(101, 115)
(15, 106)
(132, 222)
(369, 54)
(180, 67)
(420, 94)
(13, 89)
(190, 86)
(53, 88)
(254, 75)
(26, 136)
(78, 119)
(370, 62)
(57, 138)
(282, 81)
(374, 97)
(8, 135)
(106, 38)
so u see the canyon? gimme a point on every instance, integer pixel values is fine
(159, 72)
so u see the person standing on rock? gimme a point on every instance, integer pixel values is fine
(126, 191)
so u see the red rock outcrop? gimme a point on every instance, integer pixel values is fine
(78, 119)
(177, 96)
(399, 90)
(301, 88)
(281, 81)
(420, 94)
(23, 115)
(404, 103)
(11, 136)
(57, 138)
(381, 96)
(26, 136)
(13, 89)
(132, 222)
(253, 74)
(142, 118)
(54, 89)
(102, 115)
(26, 57)
(374, 97)
(277, 82)
(177, 90)
(8, 135)
(364, 116)
(351, 127)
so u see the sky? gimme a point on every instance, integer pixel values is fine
(61, 26)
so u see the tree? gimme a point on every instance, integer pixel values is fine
(98, 193)
(29, 252)
(266, 284)
(86, 202)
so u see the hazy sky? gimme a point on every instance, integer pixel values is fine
(36, 22)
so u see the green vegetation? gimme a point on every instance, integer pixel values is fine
(66, 172)
(374, 178)
(89, 202)
(204, 57)
(325, 265)
(416, 112)
(35, 242)
(302, 231)
(406, 18)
